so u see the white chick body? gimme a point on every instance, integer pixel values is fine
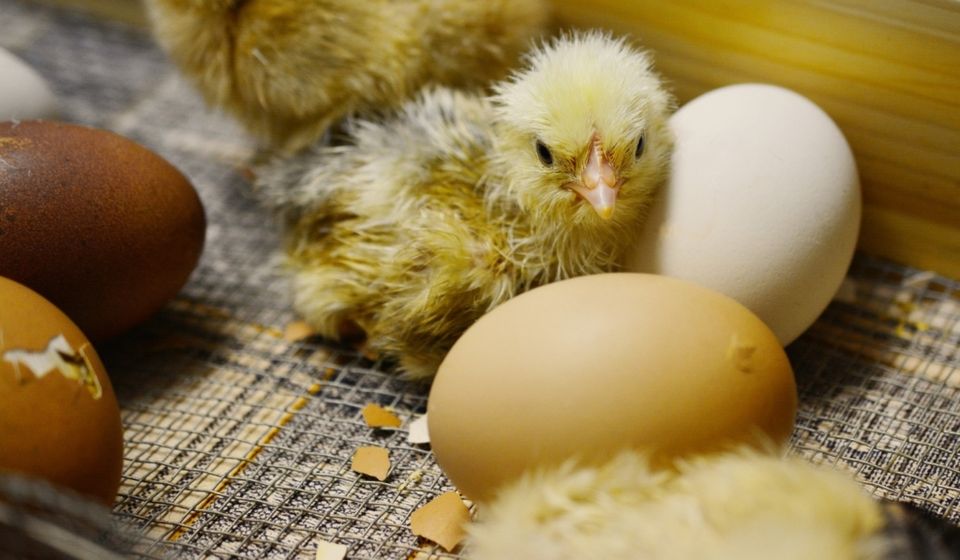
(423, 222)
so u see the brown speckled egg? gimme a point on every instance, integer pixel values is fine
(102, 227)
(59, 418)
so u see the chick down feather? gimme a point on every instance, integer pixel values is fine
(289, 69)
(426, 220)
(739, 505)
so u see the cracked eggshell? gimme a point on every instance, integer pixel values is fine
(59, 419)
(763, 204)
(23, 93)
(102, 227)
(585, 367)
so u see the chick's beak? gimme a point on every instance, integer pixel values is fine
(598, 182)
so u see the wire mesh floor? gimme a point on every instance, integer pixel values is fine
(238, 441)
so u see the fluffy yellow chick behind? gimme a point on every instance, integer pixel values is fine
(741, 505)
(291, 68)
(426, 220)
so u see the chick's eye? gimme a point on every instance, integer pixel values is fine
(543, 152)
(639, 151)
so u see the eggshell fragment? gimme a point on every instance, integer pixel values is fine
(418, 432)
(23, 93)
(371, 461)
(585, 367)
(331, 551)
(296, 331)
(59, 419)
(378, 417)
(763, 204)
(442, 520)
(104, 228)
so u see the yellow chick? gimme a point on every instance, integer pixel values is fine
(289, 69)
(740, 505)
(425, 221)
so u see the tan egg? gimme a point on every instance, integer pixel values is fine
(59, 418)
(588, 366)
(104, 228)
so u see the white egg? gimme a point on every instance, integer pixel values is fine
(763, 204)
(23, 93)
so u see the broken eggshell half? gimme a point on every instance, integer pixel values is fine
(59, 418)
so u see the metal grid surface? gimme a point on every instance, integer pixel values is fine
(238, 442)
(879, 382)
(243, 444)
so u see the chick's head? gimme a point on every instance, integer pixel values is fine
(583, 140)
